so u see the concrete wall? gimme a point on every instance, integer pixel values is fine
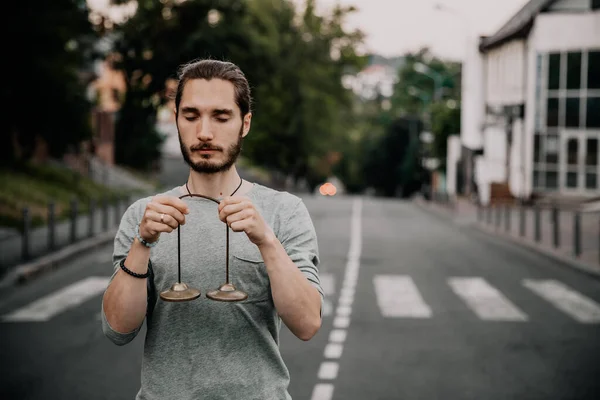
(505, 74)
(452, 157)
(473, 104)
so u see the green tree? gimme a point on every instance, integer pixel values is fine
(293, 58)
(50, 44)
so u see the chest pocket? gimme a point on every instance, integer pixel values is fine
(247, 269)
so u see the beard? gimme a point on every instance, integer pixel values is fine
(206, 166)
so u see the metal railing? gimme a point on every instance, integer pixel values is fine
(102, 216)
(569, 231)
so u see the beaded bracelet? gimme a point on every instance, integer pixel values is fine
(134, 274)
(142, 240)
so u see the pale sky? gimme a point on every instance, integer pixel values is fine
(394, 27)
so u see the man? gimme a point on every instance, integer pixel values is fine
(206, 349)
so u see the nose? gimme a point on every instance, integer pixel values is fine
(204, 131)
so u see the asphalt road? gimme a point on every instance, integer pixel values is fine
(417, 308)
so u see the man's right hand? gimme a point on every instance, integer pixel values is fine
(162, 214)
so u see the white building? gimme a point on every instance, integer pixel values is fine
(531, 104)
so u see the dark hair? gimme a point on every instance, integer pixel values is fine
(215, 69)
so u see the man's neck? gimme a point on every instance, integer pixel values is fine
(216, 185)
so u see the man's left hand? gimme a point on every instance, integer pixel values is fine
(241, 215)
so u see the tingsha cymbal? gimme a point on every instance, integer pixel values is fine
(180, 292)
(227, 293)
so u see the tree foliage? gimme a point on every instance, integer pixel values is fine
(50, 45)
(293, 58)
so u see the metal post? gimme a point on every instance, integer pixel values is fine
(507, 215)
(556, 226)
(498, 215)
(522, 221)
(104, 213)
(538, 224)
(25, 235)
(116, 215)
(489, 214)
(51, 226)
(577, 234)
(92, 214)
(74, 204)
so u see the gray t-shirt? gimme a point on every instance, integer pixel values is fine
(205, 349)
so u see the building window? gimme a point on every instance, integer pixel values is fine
(595, 4)
(552, 112)
(566, 152)
(593, 112)
(554, 71)
(572, 112)
(574, 71)
(593, 75)
(591, 157)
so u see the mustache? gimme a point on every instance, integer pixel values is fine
(205, 146)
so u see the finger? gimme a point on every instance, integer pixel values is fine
(152, 215)
(173, 202)
(233, 208)
(173, 214)
(240, 226)
(158, 227)
(231, 200)
(239, 216)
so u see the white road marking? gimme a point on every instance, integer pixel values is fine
(346, 301)
(328, 370)
(344, 311)
(327, 307)
(341, 322)
(398, 297)
(485, 300)
(337, 336)
(322, 391)
(333, 350)
(68, 297)
(572, 303)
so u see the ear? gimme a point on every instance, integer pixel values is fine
(246, 124)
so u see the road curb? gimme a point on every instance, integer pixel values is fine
(26, 272)
(581, 266)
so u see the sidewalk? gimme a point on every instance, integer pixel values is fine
(14, 268)
(507, 225)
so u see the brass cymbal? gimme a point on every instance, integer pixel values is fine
(227, 293)
(180, 292)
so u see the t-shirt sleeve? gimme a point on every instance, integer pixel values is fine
(122, 243)
(299, 239)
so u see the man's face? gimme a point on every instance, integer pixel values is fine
(210, 125)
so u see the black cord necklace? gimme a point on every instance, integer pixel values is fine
(234, 192)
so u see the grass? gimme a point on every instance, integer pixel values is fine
(36, 186)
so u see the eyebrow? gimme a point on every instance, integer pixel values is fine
(217, 111)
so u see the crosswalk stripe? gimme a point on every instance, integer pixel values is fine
(576, 305)
(71, 296)
(485, 300)
(398, 297)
